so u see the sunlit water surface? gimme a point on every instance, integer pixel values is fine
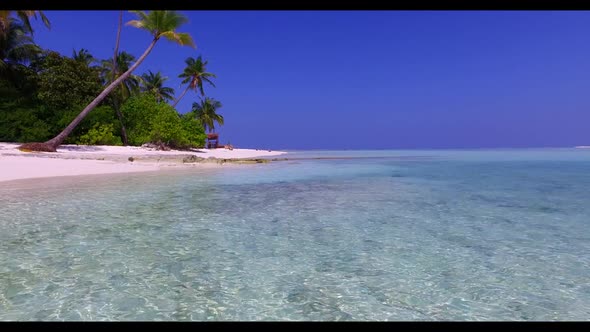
(385, 235)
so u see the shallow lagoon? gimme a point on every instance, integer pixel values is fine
(378, 235)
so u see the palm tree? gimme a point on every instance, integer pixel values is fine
(195, 74)
(83, 56)
(16, 47)
(116, 53)
(24, 16)
(154, 83)
(114, 71)
(206, 113)
(110, 71)
(159, 23)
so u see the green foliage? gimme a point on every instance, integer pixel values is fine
(175, 131)
(154, 83)
(128, 87)
(24, 17)
(102, 115)
(65, 83)
(18, 124)
(150, 121)
(83, 56)
(64, 87)
(16, 46)
(195, 73)
(163, 23)
(137, 112)
(19, 88)
(206, 113)
(194, 131)
(21, 118)
(41, 92)
(164, 127)
(100, 134)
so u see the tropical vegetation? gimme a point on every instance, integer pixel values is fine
(48, 99)
(206, 113)
(195, 74)
(154, 83)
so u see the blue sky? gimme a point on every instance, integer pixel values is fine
(371, 79)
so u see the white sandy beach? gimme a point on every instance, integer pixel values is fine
(85, 160)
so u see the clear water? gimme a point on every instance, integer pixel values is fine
(406, 235)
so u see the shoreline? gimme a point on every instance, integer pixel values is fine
(79, 160)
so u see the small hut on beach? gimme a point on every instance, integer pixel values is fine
(212, 141)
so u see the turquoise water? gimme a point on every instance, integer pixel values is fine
(385, 235)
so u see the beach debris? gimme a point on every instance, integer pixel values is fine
(192, 159)
(243, 161)
(131, 159)
(160, 146)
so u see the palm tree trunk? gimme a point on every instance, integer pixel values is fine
(182, 95)
(57, 140)
(119, 114)
(123, 130)
(117, 43)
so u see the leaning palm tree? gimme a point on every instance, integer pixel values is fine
(159, 23)
(154, 83)
(83, 56)
(206, 113)
(16, 47)
(195, 74)
(24, 16)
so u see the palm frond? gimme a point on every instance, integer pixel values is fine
(182, 39)
(136, 24)
(24, 16)
(206, 113)
(45, 20)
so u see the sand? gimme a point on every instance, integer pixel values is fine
(72, 160)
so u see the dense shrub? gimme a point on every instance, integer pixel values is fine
(22, 125)
(45, 97)
(64, 82)
(21, 117)
(41, 98)
(194, 134)
(100, 116)
(100, 134)
(150, 121)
